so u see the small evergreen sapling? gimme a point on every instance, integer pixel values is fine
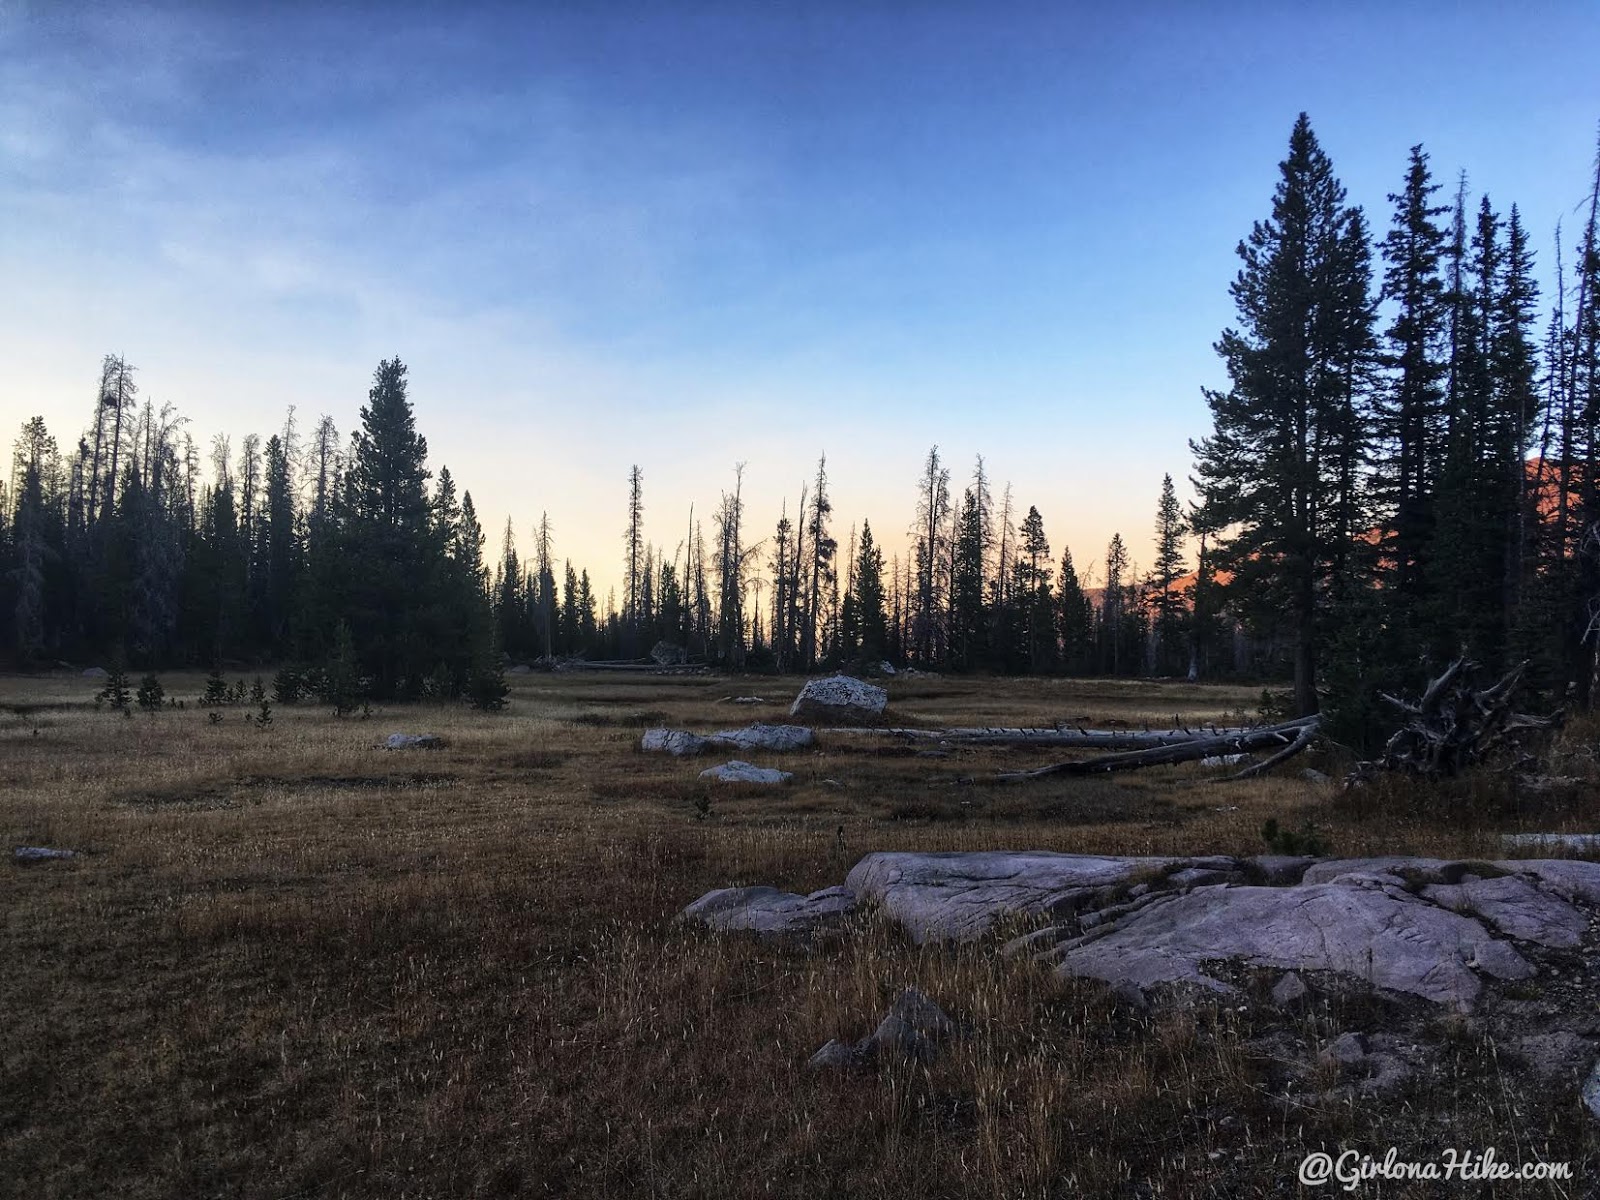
(151, 694)
(116, 693)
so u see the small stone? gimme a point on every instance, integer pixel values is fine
(1290, 990)
(1129, 994)
(1347, 1050)
(922, 1014)
(1553, 1056)
(835, 1055)
(896, 1037)
(1591, 1090)
(1312, 775)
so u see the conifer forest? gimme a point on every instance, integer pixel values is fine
(1400, 467)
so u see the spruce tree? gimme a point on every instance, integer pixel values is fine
(1287, 432)
(1168, 606)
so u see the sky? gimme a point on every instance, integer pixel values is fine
(694, 235)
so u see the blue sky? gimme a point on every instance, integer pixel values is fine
(690, 235)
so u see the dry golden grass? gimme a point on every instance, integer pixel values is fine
(293, 964)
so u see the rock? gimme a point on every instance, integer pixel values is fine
(1193, 877)
(839, 698)
(1129, 994)
(680, 742)
(766, 910)
(835, 1055)
(521, 669)
(1331, 870)
(676, 742)
(765, 737)
(1278, 870)
(1346, 1050)
(895, 1038)
(40, 854)
(1516, 908)
(1578, 843)
(1383, 935)
(1566, 877)
(743, 772)
(668, 654)
(922, 1014)
(413, 741)
(1223, 760)
(750, 700)
(886, 668)
(1290, 990)
(1591, 1091)
(95, 673)
(1554, 1056)
(1312, 775)
(959, 896)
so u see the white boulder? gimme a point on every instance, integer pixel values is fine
(839, 698)
(743, 772)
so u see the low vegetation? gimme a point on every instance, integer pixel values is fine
(290, 963)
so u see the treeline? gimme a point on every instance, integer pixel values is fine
(1404, 466)
(300, 550)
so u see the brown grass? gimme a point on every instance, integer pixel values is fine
(292, 964)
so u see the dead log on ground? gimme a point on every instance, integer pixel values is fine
(1078, 739)
(1287, 736)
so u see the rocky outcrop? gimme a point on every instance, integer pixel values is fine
(839, 698)
(743, 772)
(960, 896)
(766, 910)
(1432, 928)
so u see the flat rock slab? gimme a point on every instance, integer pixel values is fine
(959, 896)
(767, 910)
(1433, 928)
(839, 698)
(743, 772)
(40, 854)
(680, 742)
(413, 741)
(1384, 935)
(765, 737)
(676, 742)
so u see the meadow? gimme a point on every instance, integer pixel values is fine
(289, 963)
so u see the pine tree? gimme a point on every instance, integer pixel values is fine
(1414, 414)
(1167, 604)
(968, 620)
(394, 557)
(1279, 462)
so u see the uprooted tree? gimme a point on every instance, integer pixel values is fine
(1459, 724)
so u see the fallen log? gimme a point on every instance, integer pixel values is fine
(1288, 736)
(1080, 739)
